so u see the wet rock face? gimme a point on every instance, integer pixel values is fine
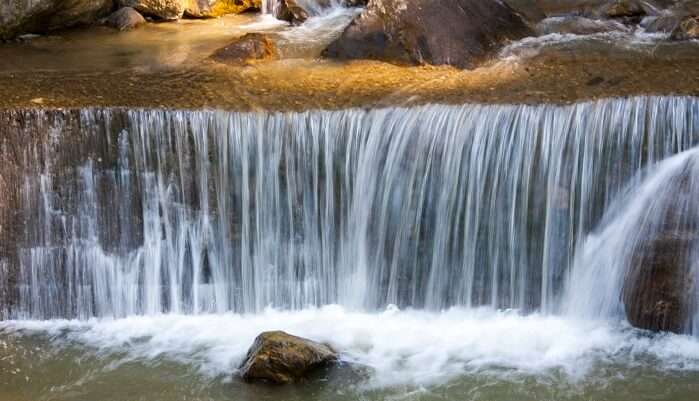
(280, 358)
(39, 16)
(248, 49)
(462, 33)
(217, 8)
(290, 11)
(125, 19)
(167, 10)
(578, 26)
(660, 288)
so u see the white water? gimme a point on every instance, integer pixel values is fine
(398, 347)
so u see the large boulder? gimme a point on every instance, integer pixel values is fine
(166, 10)
(40, 16)
(217, 8)
(290, 11)
(245, 50)
(461, 33)
(281, 358)
(125, 18)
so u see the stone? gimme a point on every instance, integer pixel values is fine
(658, 294)
(18, 17)
(623, 9)
(248, 49)
(125, 18)
(290, 11)
(687, 29)
(165, 10)
(280, 358)
(461, 33)
(217, 8)
(578, 26)
(661, 24)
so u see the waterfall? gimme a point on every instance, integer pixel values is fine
(313, 7)
(148, 211)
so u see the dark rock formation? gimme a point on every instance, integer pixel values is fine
(462, 33)
(248, 49)
(124, 19)
(659, 291)
(40, 16)
(290, 11)
(281, 358)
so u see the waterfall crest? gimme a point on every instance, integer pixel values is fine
(426, 207)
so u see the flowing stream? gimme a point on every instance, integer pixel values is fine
(472, 251)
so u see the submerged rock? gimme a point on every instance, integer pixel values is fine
(462, 33)
(281, 358)
(248, 49)
(39, 16)
(125, 18)
(290, 11)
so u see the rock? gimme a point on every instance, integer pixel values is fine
(289, 10)
(687, 29)
(578, 26)
(40, 16)
(281, 358)
(623, 9)
(659, 289)
(248, 49)
(529, 9)
(166, 10)
(661, 24)
(125, 18)
(217, 8)
(462, 33)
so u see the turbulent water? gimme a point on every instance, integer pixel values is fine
(432, 207)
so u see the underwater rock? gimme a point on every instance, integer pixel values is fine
(125, 18)
(248, 49)
(39, 16)
(290, 11)
(462, 33)
(217, 8)
(281, 358)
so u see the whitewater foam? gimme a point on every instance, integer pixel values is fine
(400, 347)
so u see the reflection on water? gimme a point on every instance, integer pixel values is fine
(457, 354)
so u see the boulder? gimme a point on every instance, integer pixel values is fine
(687, 29)
(248, 49)
(290, 11)
(578, 26)
(462, 33)
(125, 18)
(661, 24)
(623, 9)
(165, 10)
(659, 292)
(281, 358)
(217, 8)
(40, 16)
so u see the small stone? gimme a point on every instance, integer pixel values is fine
(126, 18)
(248, 49)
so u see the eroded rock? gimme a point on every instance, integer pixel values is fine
(290, 11)
(217, 8)
(462, 33)
(281, 358)
(167, 10)
(248, 49)
(125, 18)
(40, 16)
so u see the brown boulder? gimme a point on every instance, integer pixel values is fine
(281, 358)
(290, 11)
(248, 49)
(659, 290)
(462, 33)
(125, 18)
(687, 29)
(166, 10)
(217, 8)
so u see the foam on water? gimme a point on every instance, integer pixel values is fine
(400, 347)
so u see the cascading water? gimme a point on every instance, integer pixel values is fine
(428, 207)
(313, 7)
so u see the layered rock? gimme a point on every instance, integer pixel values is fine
(280, 358)
(248, 49)
(40, 16)
(462, 33)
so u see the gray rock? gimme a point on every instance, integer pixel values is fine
(167, 10)
(124, 19)
(578, 26)
(39, 16)
(462, 33)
